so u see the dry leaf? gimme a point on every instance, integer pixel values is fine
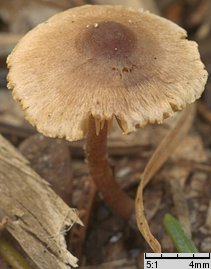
(160, 156)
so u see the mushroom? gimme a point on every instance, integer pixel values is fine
(89, 65)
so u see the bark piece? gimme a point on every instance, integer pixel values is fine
(37, 217)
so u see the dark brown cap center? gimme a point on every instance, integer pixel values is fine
(110, 39)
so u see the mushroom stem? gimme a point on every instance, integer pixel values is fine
(102, 174)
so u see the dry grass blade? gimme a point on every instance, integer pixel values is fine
(160, 156)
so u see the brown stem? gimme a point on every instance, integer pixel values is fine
(102, 174)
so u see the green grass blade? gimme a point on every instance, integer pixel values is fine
(180, 240)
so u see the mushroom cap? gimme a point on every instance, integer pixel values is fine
(104, 61)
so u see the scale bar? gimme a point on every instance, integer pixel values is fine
(194, 256)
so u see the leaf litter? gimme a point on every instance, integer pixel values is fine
(159, 157)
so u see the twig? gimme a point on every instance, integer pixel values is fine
(115, 148)
(20, 132)
(205, 167)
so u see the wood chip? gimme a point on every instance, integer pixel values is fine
(37, 217)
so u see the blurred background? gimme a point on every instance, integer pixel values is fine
(107, 238)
